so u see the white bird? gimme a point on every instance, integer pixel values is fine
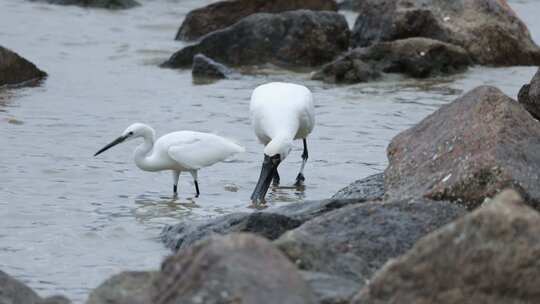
(177, 151)
(280, 113)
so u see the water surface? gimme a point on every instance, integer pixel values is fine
(69, 220)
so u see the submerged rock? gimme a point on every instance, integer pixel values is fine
(16, 70)
(130, 287)
(489, 30)
(415, 57)
(369, 188)
(488, 256)
(108, 4)
(529, 96)
(353, 242)
(290, 39)
(467, 150)
(266, 224)
(204, 67)
(222, 14)
(330, 289)
(239, 268)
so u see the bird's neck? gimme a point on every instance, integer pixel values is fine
(143, 154)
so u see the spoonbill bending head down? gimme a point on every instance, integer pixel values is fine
(280, 113)
(176, 151)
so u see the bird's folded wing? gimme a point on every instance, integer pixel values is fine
(197, 153)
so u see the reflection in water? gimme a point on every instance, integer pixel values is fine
(91, 218)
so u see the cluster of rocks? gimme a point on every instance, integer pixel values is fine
(402, 236)
(417, 38)
(15, 70)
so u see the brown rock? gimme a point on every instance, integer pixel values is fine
(222, 14)
(129, 287)
(529, 96)
(466, 151)
(239, 268)
(488, 29)
(415, 57)
(15, 70)
(489, 256)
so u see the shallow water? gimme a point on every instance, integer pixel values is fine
(69, 220)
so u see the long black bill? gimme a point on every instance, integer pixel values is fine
(112, 144)
(268, 170)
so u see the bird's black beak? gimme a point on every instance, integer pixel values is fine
(268, 170)
(112, 144)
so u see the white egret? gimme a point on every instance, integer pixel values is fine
(280, 113)
(177, 151)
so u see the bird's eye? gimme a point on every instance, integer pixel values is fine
(130, 133)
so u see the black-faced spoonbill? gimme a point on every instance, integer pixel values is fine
(280, 113)
(177, 151)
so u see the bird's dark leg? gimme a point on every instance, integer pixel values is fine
(275, 178)
(197, 189)
(176, 176)
(195, 180)
(300, 178)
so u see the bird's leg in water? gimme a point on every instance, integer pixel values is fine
(194, 174)
(300, 178)
(176, 176)
(275, 178)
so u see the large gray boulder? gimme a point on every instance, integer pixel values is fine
(107, 4)
(467, 151)
(489, 30)
(289, 39)
(529, 96)
(355, 241)
(239, 268)
(222, 14)
(369, 188)
(488, 256)
(330, 289)
(16, 70)
(415, 57)
(130, 287)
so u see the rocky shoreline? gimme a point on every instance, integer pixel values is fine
(434, 223)
(453, 218)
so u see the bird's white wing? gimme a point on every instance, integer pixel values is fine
(202, 151)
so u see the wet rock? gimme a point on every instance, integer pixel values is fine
(14, 292)
(330, 289)
(466, 151)
(289, 39)
(488, 256)
(266, 224)
(108, 4)
(489, 30)
(529, 96)
(222, 14)
(415, 57)
(55, 300)
(369, 188)
(204, 67)
(353, 242)
(238, 268)
(16, 70)
(130, 287)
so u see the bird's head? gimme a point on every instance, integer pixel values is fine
(274, 153)
(133, 131)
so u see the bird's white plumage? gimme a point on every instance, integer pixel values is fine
(282, 111)
(195, 150)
